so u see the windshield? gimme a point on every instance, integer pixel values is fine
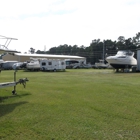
(122, 53)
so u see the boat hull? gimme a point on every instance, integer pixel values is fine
(121, 66)
(121, 62)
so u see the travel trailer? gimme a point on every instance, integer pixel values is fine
(33, 64)
(70, 63)
(122, 60)
(52, 65)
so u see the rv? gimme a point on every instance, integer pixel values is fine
(70, 63)
(52, 65)
(33, 64)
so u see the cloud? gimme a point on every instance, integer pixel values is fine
(39, 23)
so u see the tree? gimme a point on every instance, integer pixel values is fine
(121, 39)
(32, 50)
(137, 39)
(95, 51)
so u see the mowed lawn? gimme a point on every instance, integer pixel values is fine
(79, 104)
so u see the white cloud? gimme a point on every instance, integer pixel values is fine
(39, 23)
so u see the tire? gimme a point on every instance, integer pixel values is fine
(43, 69)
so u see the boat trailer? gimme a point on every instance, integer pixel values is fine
(14, 83)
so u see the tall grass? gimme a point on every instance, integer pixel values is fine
(77, 104)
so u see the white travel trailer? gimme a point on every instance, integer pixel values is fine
(72, 63)
(52, 65)
(33, 64)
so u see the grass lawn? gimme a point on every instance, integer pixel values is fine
(79, 104)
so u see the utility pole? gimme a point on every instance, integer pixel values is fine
(103, 50)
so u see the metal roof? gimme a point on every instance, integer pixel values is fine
(50, 56)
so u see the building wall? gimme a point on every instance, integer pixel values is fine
(9, 57)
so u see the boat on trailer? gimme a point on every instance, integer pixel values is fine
(14, 83)
(124, 59)
(6, 50)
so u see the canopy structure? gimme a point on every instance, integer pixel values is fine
(5, 41)
(7, 51)
(25, 57)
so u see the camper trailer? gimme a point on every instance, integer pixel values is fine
(52, 65)
(70, 63)
(33, 64)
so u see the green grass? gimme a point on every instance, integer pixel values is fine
(80, 104)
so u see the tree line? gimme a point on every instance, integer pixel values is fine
(97, 49)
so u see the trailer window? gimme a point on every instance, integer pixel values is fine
(49, 63)
(68, 62)
(43, 63)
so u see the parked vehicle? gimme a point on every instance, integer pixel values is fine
(7, 65)
(84, 66)
(17, 65)
(24, 65)
(101, 65)
(71, 63)
(74, 64)
(52, 65)
(33, 64)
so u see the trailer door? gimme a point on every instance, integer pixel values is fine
(49, 67)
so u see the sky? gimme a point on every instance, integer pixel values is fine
(43, 24)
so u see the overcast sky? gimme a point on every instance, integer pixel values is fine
(44, 24)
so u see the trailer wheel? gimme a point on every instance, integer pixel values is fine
(54, 70)
(43, 69)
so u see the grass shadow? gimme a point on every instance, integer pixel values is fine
(12, 96)
(31, 70)
(44, 71)
(7, 108)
